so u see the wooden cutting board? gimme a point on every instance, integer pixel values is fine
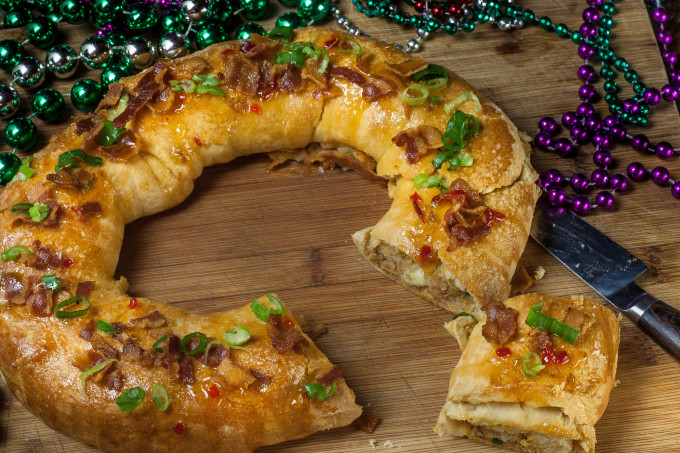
(244, 232)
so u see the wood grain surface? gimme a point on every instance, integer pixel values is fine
(245, 231)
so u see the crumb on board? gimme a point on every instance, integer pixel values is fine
(539, 273)
(371, 442)
(388, 444)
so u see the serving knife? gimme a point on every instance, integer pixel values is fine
(609, 269)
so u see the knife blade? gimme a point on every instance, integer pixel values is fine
(609, 269)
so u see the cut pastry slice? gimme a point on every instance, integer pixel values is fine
(536, 392)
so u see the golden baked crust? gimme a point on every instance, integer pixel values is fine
(554, 411)
(173, 137)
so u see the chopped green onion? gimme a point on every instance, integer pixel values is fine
(432, 71)
(130, 399)
(109, 133)
(203, 89)
(183, 86)
(160, 397)
(457, 129)
(422, 180)
(464, 313)
(496, 441)
(459, 160)
(13, 253)
(39, 212)
(540, 321)
(318, 391)
(200, 78)
(25, 171)
(263, 313)
(156, 346)
(72, 314)
(463, 97)
(407, 97)
(531, 364)
(21, 208)
(68, 159)
(295, 57)
(355, 48)
(122, 105)
(436, 84)
(443, 157)
(282, 34)
(106, 327)
(203, 341)
(51, 282)
(87, 373)
(435, 99)
(236, 337)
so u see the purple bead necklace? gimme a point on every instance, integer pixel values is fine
(586, 126)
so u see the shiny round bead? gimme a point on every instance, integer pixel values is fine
(16, 18)
(8, 5)
(576, 37)
(45, 6)
(20, 133)
(221, 11)
(664, 150)
(255, 9)
(248, 29)
(553, 178)
(9, 101)
(209, 34)
(9, 165)
(548, 124)
(636, 171)
(569, 118)
(517, 22)
(412, 45)
(579, 182)
(607, 72)
(354, 30)
(587, 92)
(113, 73)
(588, 30)
(579, 134)
(606, 21)
(543, 141)
(142, 18)
(556, 196)
(564, 147)
(196, 10)
(618, 131)
(604, 200)
(611, 86)
(10, 54)
(545, 23)
(172, 19)
(619, 182)
(314, 9)
(29, 72)
(504, 23)
(675, 189)
(586, 51)
(139, 52)
(335, 10)
(640, 143)
(173, 45)
(602, 139)
(590, 15)
(664, 37)
(585, 110)
(580, 204)
(660, 15)
(62, 61)
(48, 104)
(660, 175)
(86, 94)
(593, 123)
(294, 20)
(587, 73)
(95, 52)
(621, 64)
(105, 10)
(289, 3)
(602, 158)
(74, 11)
(670, 57)
(528, 16)
(600, 177)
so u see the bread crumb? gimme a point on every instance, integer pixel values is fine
(388, 444)
(539, 273)
(371, 442)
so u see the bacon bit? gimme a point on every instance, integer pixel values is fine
(261, 377)
(133, 305)
(426, 255)
(284, 340)
(417, 141)
(198, 141)
(88, 209)
(456, 196)
(334, 374)
(348, 74)
(417, 199)
(367, 423)
(68, 262)
(503, 352)
(500, 325)
(228, 52)
(255, 108)
(84, 288)
(178, 429)
(152, 320)
(214, 391)
(493, 217)
(331, 43)
(288, 322)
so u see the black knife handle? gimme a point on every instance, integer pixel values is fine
(662, 323)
